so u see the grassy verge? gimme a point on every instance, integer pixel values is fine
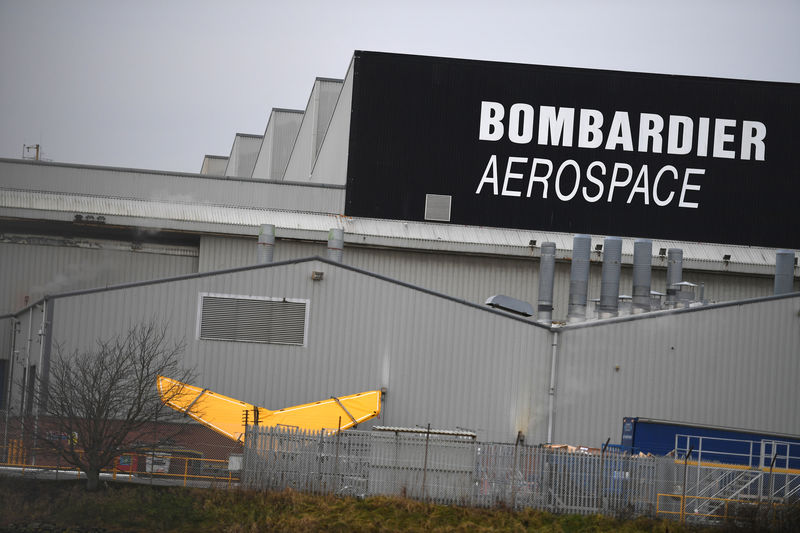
(123, 507)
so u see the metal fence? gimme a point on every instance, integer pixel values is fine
(442, 467)
(460, 470)
(454, 470)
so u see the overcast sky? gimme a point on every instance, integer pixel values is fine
(159, 84)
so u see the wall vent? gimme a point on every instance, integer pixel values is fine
(253, 319)
(437, 207)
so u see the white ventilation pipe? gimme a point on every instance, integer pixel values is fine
(547, 266)
(579, 278)
(784, 271)
(335, 244)
(642, 274)
(609, 281)
(266, 243)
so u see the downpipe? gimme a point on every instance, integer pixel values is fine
(552, 389)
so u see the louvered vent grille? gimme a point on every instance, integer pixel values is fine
(437, 207)
(253, 320)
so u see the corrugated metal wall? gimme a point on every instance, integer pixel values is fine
(219, 253)
(276, 147)
(472, 277)
(455, 365)
(331, 163)
(316, 118)
(35, 270)
(733, 365)
(243, 155)
(443, 362)
(192, 190)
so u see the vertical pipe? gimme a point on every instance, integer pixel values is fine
(784, 271)
(547, 265)
(642, 274)
(266, 243)
(579, 278)
(674, 274)
(552, 391)
(335, 244)
(609, 283)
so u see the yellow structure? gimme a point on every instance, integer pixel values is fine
(230, 417)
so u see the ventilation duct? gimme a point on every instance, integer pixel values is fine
(609, 282)
(579, 278)
(642, 275)
(266, 243)
(674, 274)
(547, 265)
(335, 244)
(784, 271)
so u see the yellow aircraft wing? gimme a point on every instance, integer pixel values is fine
(227, 415)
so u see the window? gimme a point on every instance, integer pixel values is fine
(253, 319)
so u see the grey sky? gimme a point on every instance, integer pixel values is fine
(159, 84)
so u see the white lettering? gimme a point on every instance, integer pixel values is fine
(594, 180)
(702, 137)
(721, 137)
(589, 133)
(689, 187)
(568, 163)
(556, 125)
(515, 134)
(491, 166)
(659, 202)
(644, 188)
(650, 127)
(679, 138)
(753, 134)
(620, 132)
(512, 176)
(541, 179)
(615, 182)
(491, 128)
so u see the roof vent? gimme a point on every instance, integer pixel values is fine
(512, 305)
(437, 207)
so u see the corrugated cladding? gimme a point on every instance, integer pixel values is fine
(99, 187)
(730, 365)
(472, 277)
(331, 163)
(214, 165)
(443, 362)
(243, 155)
(316, 118)
(279, 137)
(217, 253)
(29, 271)
(33, 270)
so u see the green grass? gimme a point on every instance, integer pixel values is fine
(122, 507)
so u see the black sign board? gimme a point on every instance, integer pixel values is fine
(575, 150)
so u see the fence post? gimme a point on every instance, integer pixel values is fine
(336, 460)
(514, 472)
(425, 464)
(602, 476)
(770, 513)
(683, 496)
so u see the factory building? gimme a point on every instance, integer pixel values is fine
(447, 179)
